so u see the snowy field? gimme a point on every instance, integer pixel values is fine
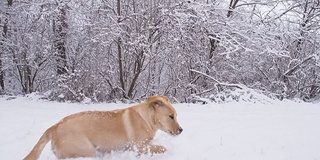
(273, 130)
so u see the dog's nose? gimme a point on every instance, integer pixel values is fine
(180, 130)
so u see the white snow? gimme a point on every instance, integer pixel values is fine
(279, 130)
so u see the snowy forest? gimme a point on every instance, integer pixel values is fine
(106, 50)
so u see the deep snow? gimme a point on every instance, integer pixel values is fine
(276, 130)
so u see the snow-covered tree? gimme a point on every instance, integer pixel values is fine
(128, 49)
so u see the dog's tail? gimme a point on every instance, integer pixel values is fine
(37, 149)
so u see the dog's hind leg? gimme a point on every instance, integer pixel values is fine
(73, 148)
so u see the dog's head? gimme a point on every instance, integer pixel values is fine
(165, 115)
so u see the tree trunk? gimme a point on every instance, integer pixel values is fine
(121, 74)
(138, 67)
(232, 6)
(2, 52)
(60, 26)
(120, 62)
(28, 84)
(1, 76)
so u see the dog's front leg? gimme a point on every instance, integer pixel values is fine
(145, 148)
(157, 149)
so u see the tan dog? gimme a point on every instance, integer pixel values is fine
(86, 133)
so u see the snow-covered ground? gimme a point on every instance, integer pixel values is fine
(276, 130)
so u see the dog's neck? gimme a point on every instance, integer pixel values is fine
(147, 114)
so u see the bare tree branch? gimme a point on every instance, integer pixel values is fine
(296, 67)
(215, 80)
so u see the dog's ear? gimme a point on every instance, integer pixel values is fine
(155, 101)
(157, 104)
(165, 98)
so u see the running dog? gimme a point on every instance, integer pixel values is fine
(87, 133)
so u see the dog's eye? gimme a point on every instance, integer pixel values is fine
(171, 116)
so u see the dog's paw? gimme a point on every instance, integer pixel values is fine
(150, 149)
(156, 149)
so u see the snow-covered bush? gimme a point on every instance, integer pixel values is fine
(233, 94)
(244, 94)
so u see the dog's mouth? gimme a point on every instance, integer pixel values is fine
(177, 132)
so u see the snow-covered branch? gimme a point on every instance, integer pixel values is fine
(215, 80)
